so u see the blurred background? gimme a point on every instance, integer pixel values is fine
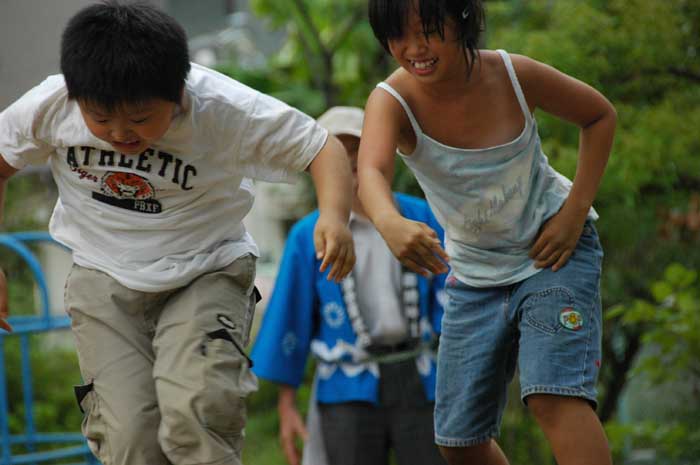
(642, 54)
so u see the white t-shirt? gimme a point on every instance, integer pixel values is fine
(158, 220)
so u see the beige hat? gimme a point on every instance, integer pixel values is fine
(343, 120)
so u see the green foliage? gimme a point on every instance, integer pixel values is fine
(330, 56)
(671, 327)
(54, 372)
(671, 443)
(330, 50)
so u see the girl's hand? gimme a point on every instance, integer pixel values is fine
(334, 246)
(415, 245)
(557, 239)
(4, 313)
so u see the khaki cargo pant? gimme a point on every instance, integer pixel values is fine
(165, 373)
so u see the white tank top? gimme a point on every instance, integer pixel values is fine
(491, 201)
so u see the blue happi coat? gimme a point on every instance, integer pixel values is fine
(307, 313)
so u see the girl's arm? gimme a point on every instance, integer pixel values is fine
(574, 101)
(414, 244)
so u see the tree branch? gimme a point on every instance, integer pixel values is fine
(685, 73)
(345, 30)
(618, 380)
(309, 25)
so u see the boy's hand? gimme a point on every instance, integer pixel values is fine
(415, 245)
(557, 239)
(334, 246)
(4, 313)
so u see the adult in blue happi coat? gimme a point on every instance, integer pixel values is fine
(373, 336)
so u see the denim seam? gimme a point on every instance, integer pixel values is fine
(596, 298)
(472, 441)
(558, 390)
(589, 335)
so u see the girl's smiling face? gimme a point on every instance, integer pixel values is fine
(130, 128)
(425, 54)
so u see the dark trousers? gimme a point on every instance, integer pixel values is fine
(360, 433)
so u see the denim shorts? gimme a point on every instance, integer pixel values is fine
(548, 325)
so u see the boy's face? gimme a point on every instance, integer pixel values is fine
(131, 128)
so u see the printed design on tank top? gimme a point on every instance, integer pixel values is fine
(494, 201)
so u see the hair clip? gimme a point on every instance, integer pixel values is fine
(465, 13)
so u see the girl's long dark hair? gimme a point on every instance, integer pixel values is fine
(388, 19)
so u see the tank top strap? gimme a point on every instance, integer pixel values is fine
(407, 109)
(516, 84)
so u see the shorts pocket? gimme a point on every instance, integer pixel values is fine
(542, 310)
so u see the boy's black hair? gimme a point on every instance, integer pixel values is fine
(115, 52)
(389, 18)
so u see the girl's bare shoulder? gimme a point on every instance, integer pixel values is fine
(401, 81)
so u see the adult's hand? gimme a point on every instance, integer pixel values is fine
(291, 425)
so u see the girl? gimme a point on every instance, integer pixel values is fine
(524, 254)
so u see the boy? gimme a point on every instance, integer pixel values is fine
(152, 157)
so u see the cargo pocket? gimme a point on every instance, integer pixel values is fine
(93, 427)
(228, 379)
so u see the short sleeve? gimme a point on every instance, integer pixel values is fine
(278, 141)
(22, 123)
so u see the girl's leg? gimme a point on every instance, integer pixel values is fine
(572, 428)
(476, 361)
(560, 323)
(483, 454)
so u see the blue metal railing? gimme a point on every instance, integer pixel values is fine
(72, 444)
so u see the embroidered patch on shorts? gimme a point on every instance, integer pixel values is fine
(571, 319)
